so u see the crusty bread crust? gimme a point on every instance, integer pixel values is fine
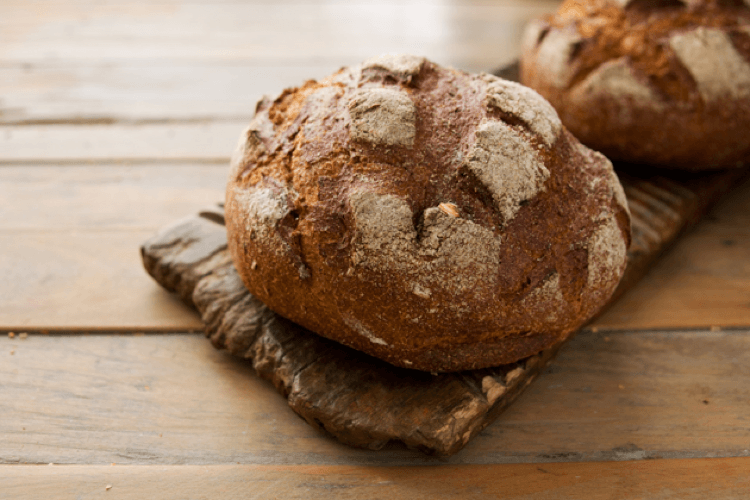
(662, 82)
(435, 219)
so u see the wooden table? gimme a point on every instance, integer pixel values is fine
(117, 117)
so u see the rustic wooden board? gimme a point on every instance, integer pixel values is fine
(360, 400)
(174, 399)
(662, 479)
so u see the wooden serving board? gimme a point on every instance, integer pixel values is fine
(361, 400)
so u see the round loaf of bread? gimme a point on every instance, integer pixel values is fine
(435, 219)
(659, 82)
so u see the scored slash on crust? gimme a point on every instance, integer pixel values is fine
(383, 116)
(717, 67)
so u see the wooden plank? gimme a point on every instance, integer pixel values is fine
(719, 479)
(70, 244)
(174, 399)
(475, 35)
(208, 142)
(83, 280)
(54, 199)
(55, 218)
(143, 91)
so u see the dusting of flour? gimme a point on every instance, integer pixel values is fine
(554, 53)
(607, 253)
(526, 105)
(383, 116)
(262, 208)
(546, 297)
(451, 252)
(615, 78)
(504, 161)
(717, 67)
(402, 65)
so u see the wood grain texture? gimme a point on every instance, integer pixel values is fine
(70, 238)
(660, 479)
(117, 62)
(53, 216)
(174, 399)
(100, 197)
(663, 204)
(176, 142)
(83, 280)
(262, 31)
(365, 402)
(143, 92)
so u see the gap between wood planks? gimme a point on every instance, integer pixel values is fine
(174, 399)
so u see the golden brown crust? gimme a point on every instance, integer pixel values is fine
(658, 82)
(437, 220)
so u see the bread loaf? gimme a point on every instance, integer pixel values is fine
(435, 219)
(659, 82)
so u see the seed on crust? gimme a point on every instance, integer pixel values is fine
(449, 209)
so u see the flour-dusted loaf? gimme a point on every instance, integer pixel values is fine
(661, 82)
(435, 219)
